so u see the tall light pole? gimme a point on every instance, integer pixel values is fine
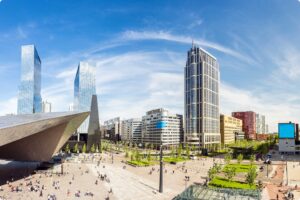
(161, 169)
(287, 176)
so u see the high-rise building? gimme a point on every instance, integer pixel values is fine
(260, 124)
(249, 123)
(132, 130)
(230, 127)
(29, 100)
(159, 126)
(112, 129)
(267, 129)
(84, 89)
(46, 107)
(202, 118)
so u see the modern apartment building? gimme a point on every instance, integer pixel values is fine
(202, 117)
(160, 126)
(29, 98)
(230, 128)
(249, 123)
(132, 130)
(46, 107)
(84, 89)
(260, 124)
(112, 129)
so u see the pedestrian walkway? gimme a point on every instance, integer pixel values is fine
(126, 185)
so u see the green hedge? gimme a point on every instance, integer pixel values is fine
(174, 159)
(142, 163)
(239, 167)
(224, 183)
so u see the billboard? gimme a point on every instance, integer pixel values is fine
(286, 130)
(161, 124)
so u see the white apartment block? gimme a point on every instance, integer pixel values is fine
(159, 126)
(131, 130)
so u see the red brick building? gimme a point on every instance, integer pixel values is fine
(249, 123)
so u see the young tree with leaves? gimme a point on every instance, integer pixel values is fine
(240, 158)
(228, 158)
(84, 148)
(230, 172)
(93, 149)
(252, 159)
(67, 148)
(75, 149)
(251, 176)
(179, 151)
(212, 173)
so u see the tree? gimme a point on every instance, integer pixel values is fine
(149, 156)
(137, 155)
(252, 159)
(251, 176)
(152, 146)
(179, 150)
(218, 167)
(230, 172)
(131, 157)
(228, 158)
(240, 158)
(212, 173)
(75, 149)
(193, 148)
(172, 152)
(84, 148)
(67, 148)
(93, 149)
(187, 150)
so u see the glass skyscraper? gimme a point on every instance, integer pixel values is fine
(202, 118)
(29, 100)
(84, 89)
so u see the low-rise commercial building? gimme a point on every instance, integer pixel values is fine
(159, 126)
(229, 128)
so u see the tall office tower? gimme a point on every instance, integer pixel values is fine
(132, 130)
(249, 123)
(84, 89)
(260, 124)
(258, 120)
(263, 124)
(267, 129)
(29, 100)
(160, 126)
(46, 107)
(202, 118)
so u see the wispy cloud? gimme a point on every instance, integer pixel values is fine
(162, 35)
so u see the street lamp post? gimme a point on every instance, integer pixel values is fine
(287, 176)
(267, 169)
(161, 170)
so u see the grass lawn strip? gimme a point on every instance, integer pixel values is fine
(224, 183)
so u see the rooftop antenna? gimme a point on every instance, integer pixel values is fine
(192, 43)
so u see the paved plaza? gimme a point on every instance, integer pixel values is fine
(88, 177)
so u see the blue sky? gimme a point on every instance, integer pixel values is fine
(139, 49)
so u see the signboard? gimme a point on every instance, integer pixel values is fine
(286, 130)
(161, 124)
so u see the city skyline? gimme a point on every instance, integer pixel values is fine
(146, 57)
